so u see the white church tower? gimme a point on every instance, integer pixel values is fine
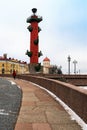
(46, 65)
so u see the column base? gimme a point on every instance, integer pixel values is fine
(33, 69)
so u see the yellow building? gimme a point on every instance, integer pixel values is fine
(7, 65)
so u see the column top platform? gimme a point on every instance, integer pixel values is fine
(34, 17)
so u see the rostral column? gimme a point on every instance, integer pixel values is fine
(34, 29)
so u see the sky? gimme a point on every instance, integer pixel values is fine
(64, 31)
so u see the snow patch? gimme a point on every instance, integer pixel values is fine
(13, 83)
(2, 112)
(84, 87)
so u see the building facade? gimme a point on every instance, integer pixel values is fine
(46, 65)
(7, 65)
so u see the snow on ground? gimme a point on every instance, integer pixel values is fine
(13, 83)
(2, 112)
(83, 87)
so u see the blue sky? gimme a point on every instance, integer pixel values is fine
(64, 30)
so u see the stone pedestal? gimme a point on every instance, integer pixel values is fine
(32, 68)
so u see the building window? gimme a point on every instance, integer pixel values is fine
(2, 65)
(3, 71)
(11, 71)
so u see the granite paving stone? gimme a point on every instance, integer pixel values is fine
(68, 126)
(41, 126)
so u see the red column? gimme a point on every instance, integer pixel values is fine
(34, 39)
(34, 47)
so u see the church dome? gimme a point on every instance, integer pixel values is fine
(46, 59)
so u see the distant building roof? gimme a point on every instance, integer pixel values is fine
(12, 60)
(46, 59)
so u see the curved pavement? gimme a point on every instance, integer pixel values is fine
(39, 111)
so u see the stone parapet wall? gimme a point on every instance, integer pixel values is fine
(79, 80)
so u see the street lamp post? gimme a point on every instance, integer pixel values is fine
(74, 62)
(69, 59)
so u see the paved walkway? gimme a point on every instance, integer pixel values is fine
(39, 111)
